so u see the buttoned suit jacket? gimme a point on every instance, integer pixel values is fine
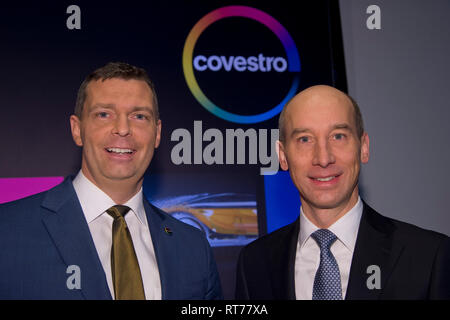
(412, 263)
(42, 235)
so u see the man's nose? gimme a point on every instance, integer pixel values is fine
(122, 126)
(323, 154)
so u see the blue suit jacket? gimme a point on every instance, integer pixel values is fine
(40, 236)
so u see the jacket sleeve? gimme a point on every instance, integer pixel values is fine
(241, 283)
(214, 291)
(440, 278)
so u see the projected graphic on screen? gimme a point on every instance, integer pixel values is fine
(239, 63)
(227, 219)
(16, 188)
(222, 74)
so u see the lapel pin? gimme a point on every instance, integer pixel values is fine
(167, 230)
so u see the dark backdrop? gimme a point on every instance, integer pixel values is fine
(43, 63)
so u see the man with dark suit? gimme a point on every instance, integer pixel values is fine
(95, 236)
(339, 247)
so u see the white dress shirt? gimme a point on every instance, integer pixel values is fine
(94, 203)
(307, 257)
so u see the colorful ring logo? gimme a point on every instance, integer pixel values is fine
(261, 17)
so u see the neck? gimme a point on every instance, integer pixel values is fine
(323, 218)
(120, 191)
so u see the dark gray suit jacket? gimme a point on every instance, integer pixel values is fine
(414, 263)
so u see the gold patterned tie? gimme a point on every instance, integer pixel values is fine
(126, 273)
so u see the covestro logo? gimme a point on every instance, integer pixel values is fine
(255, 63)
(239, 63)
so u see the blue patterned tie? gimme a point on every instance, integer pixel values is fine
(327, 282)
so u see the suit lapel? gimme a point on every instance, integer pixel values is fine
(282, 263)
(70, 233)
(374, 246)
(164, 251)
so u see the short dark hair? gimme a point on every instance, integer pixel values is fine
(112, 70)
(356, 113)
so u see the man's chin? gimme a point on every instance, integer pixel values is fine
(324, 202)
(329, 202)
(324, 206)
(121, 176)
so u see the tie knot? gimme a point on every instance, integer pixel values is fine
(324, 238)
(118, 211)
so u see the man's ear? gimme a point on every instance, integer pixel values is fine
(158, 133)
(75, 126)
(365, 150)
(282, 156)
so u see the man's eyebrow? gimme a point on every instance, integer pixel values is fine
(142, 108)
(344, 126)
(103, 105)
(113, 106)
(299, 131)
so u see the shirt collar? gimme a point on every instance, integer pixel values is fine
(95, 202)
(345, 229)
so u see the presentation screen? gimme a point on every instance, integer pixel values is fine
(222, 75)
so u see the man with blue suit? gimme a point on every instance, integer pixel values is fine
(95, 236)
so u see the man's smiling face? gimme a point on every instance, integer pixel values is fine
(117, 130)
(322, 149)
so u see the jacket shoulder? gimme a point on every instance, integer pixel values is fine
(417, 236)
(24, 206)
(405, 232)
(276, 239)
(49, 199)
